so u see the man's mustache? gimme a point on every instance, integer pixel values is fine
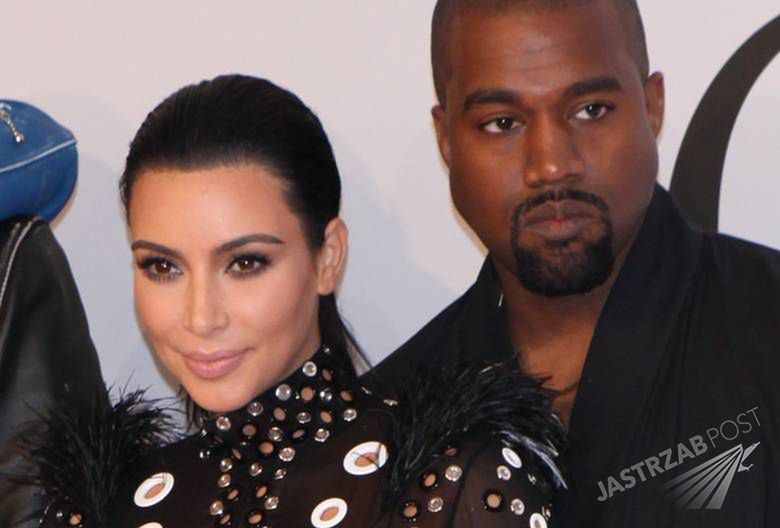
(560, 195)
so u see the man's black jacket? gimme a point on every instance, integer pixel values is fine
(677, 416)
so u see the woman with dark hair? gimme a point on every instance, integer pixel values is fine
(232, 197)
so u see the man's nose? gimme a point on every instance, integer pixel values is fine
(550, 154)
(205, 313)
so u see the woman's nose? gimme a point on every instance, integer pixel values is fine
(205, 314)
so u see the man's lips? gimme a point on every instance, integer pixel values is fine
(212, 365)
(559, 220)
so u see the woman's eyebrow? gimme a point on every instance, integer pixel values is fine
(247, 239)
(158, 248)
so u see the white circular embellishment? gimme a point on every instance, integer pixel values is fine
(153, 490)
(537, 521)
(329, 513)
(512, 458)
(517, 506)
(503, 473)
(365, 458)
(151, 525)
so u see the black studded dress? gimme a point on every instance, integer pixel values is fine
(320, 450)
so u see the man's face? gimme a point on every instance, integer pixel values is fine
(549, 133)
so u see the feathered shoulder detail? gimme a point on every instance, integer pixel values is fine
(435, 409)
(81, 456)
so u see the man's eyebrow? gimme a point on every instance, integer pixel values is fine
(157, 248)
(490, 96)
(247, 239)
(596, 84)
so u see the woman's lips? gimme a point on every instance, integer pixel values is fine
(214, 365)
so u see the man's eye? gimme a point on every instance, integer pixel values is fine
(592, 111)
(248, 264)
(159, 269)
(499, 125)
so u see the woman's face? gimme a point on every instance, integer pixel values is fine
(226, 287)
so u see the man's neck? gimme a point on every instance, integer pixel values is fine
(552, 335)
(550, 332)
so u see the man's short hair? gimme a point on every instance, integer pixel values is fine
(446, 11)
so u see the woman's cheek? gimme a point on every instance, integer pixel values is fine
(158, 311)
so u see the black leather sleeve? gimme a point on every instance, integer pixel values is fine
(46, 354)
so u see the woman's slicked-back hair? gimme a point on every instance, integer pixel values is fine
(235, 120)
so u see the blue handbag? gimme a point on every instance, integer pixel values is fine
(38, 162)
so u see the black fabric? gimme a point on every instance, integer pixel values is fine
(307, 441)
(45, 350)
(688, 344)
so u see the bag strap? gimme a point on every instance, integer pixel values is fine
(5, 117)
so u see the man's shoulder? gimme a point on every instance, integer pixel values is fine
(743, 260)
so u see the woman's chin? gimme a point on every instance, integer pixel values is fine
(215, 402)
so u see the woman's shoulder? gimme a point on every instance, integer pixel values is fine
(473, 445)
(82, 457)
(477, 482)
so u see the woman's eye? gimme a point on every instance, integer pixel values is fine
(499, 125)
(248, 265)
(159, 269)
(592, 111)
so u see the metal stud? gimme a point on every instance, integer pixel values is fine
(327, 349)
(225, 465)
(546, 512)
(283, 392)
(280, 473)
(435, 505)
(287, 454)
(453, 473)
(255, 408)
(503, 472)
(390, 403)
(321, 435)
(271, 503)
(255, 469)
(349, 414)
(275, 434)
(326, 395)
(517, 506)
(223, 423)
(532, 478)
(224, 480)
(216, 508)
(303, 417)
(204, 454)
(310, 369)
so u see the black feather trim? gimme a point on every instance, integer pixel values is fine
(435, 409)
(82, 456)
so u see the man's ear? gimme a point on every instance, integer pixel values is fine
(332, 256)
(655, 101)
(442, 137)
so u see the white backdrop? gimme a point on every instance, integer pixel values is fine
(98, 67)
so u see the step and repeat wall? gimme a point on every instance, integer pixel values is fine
(99, 67)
